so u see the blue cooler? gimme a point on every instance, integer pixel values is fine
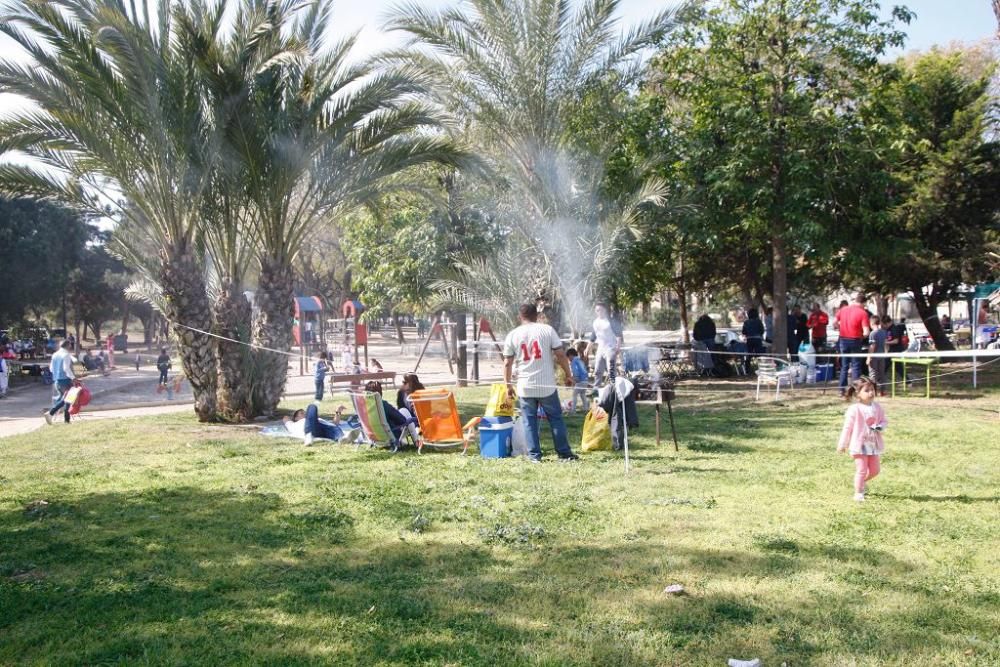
(824, 372)
(494, 437)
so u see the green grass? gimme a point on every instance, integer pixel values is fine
(164, 541)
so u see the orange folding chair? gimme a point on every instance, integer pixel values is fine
(437, 417)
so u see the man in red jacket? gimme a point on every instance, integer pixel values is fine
(854, 330)
(817, 326)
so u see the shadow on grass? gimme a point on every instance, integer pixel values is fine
(184, 575)
(961, 498)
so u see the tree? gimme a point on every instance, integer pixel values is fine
(393, 255)
(766, 93)
(942, 216)
(40, 244)
(513, 72)
(216, 141)
(118, 119)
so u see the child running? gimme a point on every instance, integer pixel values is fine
(862, 433)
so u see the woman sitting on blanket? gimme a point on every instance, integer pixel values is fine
(398, 419)
(307, 425)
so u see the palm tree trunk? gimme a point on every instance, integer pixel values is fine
(232, 316)
(272, 328)
(190, 314)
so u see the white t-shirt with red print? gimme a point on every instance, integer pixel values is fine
(532, 347)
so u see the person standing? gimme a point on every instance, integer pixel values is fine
(816, 323)
(319, 374)
(854, 330)
(609, 338)
(879, 337)
(861, 437)
(61, 367)
(982, 322)
(580, 381)
(798, 330)
(753, 331)
(111, 351)
(535, 348)
(4, 372)
(163, 365)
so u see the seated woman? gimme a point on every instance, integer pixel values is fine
(398, 419)
(307, 425)
(411, 383)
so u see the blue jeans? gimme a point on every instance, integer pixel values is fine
(64, 386)
(319, 390)
(849, 346)
(553, 411)
(318, 428)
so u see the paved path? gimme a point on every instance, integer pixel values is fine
(127, 392)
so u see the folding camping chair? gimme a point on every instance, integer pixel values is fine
(437, 416)
(374, 424)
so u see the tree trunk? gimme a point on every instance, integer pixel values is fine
(461, 352)
(126, 316)
(779, 346)
(232, 317)
(272, 329)
(881, 305)
(184, 291)
(647, 310)
(399, 330)
(683, 307)
(147, 330)
(927, 307)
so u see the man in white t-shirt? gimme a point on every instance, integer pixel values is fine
(608, 337)
(536, 348)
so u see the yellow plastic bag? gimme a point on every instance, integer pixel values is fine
(596, 431)
(500, 404)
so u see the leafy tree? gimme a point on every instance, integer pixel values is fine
(764, 93)
(40, 244)
(393, 255)
(942, 215)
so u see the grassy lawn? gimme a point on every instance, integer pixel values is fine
(159, 540)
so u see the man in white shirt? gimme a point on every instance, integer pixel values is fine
(608, 337)
(536, 348)
(61, 367)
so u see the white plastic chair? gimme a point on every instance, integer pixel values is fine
(769, 371)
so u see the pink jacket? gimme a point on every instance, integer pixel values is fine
(852, 437)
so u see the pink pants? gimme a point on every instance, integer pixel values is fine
(866, 467)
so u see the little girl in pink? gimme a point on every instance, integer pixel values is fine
(862, 433)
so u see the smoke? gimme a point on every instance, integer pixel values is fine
(558, 207)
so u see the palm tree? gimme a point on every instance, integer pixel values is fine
(515, 71)
(315, 137)
(226, 143)
(116, 119)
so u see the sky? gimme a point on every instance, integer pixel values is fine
(937, 22)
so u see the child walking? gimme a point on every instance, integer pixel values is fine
(580, 380)
(319, 375)
(861, 436)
